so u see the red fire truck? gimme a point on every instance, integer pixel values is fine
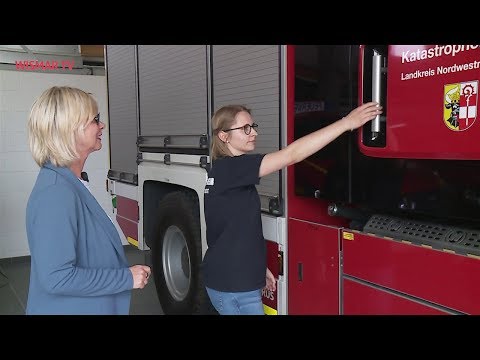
(384, 220)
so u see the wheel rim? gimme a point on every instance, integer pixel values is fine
(176, 263)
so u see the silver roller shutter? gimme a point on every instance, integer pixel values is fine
(173, 94)
(250, 75)
(122, 107)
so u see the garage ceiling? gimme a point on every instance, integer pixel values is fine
(84, 57)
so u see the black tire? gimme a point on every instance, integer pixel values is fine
(177, 256)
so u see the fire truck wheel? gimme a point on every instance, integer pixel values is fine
(177, 256)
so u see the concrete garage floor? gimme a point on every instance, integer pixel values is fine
(15, 274)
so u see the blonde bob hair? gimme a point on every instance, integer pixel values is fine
(56, 118)
(223, 119)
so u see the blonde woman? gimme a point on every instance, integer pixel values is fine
(78, 265)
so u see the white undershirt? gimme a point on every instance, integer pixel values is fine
(87, 185)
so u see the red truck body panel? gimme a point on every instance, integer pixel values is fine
(433, 276)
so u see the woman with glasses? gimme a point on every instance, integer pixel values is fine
(234, 266)
(78, 265)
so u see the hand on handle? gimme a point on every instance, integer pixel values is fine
(362, 114)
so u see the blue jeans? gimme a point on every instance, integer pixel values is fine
(237, 303)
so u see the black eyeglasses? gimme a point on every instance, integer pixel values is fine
(97, 118)
(247, 128)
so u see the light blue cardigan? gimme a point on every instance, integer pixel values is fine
(78, 265)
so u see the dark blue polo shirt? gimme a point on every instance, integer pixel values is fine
(235, 260)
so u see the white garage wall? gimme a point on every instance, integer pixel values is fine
(18, 170)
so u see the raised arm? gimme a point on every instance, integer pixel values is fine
(309, 144)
